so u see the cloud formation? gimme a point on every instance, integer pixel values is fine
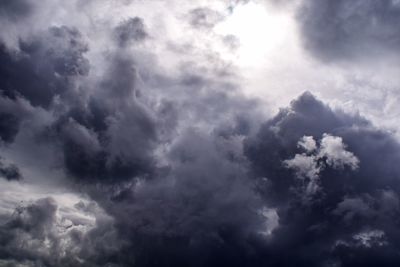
(311, 229)
(172, 163)
(345, 30)
(40, 235)
(331, 153)
(130, 31)
(14, 10)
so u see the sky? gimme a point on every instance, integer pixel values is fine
(199, 133)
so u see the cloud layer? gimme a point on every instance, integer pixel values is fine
(343, 30)
(124, 144)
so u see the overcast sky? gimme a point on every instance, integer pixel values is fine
(199, 133)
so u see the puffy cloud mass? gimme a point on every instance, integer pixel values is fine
(127, 139)
(343, 30)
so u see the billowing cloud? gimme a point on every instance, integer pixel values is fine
(331, 153)
(40, 234)
(204, 17)
(49, 63)
(9, 171)
(337, 195)
(15, 10)
(130, 31)
(127, 139)
(344, 30)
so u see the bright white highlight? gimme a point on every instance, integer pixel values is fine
(260, 32)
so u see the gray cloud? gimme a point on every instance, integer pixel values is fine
(201, 204)
(182, 168)
(346, 202)
(131, 30)
(40, 235)
(14, 10)
(344, 30)
(204, 17)
(49, 63)
(9, 171)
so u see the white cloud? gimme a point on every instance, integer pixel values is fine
(330, 152)
(334, 150)
(371, 238)
(308, 143)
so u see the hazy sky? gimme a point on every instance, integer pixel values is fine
(199, 133)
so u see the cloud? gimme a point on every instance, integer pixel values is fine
(306, 167)
(347, 30)
(209, 195)
(179, 166)
(9, 125)
(333, 149)
(331, 153)
(14, 10)
(341, 173)
(111, 136)
(14, 112)
(48, 62)
(307, 143)
(200, 204)
(42, 234)
(131, 30)
(9, 171)
(204, 17)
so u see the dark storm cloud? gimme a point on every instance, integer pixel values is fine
(9, 125)
(107, 136)
(15, 9)
(339, 223)
(99, 158)
(131, 30)
(198, 206)
(203, 210)
(37, 236)
(13, 111)
(44, 66)
(199, 211)
(110, 137)
(183, 167)
(341, 29)
(9, 171)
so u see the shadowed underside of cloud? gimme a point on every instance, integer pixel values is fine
(350, 198)
(344, 30)
(49, 62)
(131, 30)
(40, 235)
(9, 171)
(15, 9)
(205, 207)
(180, 167)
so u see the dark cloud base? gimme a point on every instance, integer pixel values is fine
(330, 180)
(341, 30)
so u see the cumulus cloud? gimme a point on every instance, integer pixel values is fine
(173, 164)
(330, 153)
(130, 31)
(14, 10)
(39, 234)
(204, 17)
(345, 203)
(344, 30)
(307, 143)
(333, 149)
(9, 171)
(49, 63)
